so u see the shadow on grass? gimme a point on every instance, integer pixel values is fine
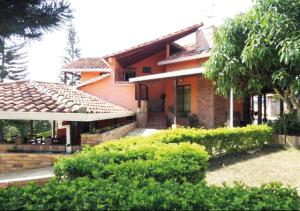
(220, 162)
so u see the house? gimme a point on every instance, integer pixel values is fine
(160, 80)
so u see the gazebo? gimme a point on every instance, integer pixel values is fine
(68, 108)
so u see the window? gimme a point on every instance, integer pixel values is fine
(129, 74)
(184, 98)
(146, 69)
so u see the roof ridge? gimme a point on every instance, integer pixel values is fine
(157, 39)
(58, 97)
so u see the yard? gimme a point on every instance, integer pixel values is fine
(265, 166)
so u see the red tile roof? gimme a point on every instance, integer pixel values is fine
(90, 64)
(26, 96)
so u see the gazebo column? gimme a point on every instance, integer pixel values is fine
(68, 138)
(259, 104)
(53, 129)
(30, 127)
(230, 108)
(265, 108)
(175, 82)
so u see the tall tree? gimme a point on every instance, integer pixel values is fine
(13, 61)
(72, 53)
(259, 50)
(31, 18)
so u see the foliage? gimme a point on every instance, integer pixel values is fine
(258, 50)
(286, 124)
(30, 19)
(13, 60)
(217, 142)
(180, 162)
(146, 174)
(146, 194)
(193, 120)
(21, 128)
(72, 52)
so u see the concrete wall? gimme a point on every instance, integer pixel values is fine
(10, 162)
(289, 141)
(94, 139)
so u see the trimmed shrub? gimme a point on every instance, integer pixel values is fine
(181, 162)
(286, 124)
(146, 194)
(217, 142)
(221, 141)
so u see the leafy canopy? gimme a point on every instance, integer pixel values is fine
(259, 50)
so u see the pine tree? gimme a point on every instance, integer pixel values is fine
(31, 18)
(72, 53)
(13, 61)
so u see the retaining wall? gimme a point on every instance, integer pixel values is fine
(94, 139)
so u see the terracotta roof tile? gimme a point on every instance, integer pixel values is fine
(51, 97)
(90, 64)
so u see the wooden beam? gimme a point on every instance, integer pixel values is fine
(139, 95)
(168, 50)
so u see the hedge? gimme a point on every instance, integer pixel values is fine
(221, 141)
(181, 162)
(146, 194)
(217, 142)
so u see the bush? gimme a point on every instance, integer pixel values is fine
(146, 194)
(286, 124)
(181, 162)
(217, 142)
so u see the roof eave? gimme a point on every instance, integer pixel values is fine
(80, 117)
(182, 59)
(79, 70)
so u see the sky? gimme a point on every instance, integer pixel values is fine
(108, 26)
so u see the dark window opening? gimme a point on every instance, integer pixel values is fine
(146, 69)
(184, 98)
(128, 74)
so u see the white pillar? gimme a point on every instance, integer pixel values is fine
(230, 108)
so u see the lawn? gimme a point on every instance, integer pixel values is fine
(264, 166)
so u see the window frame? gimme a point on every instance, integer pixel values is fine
(181, 105)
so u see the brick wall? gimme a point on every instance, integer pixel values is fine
(32, 147)
(205, 102)
(211, 107)
(94, 139)
(10, 162)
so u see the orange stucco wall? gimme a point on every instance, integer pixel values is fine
(107, 89)
(155, 88)
(88, 75)
(119, 94)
